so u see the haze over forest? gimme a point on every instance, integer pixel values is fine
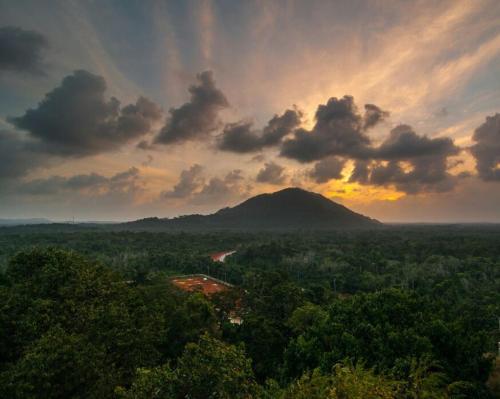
(125, 110)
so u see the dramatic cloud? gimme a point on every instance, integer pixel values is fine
(437, 80)
(76, 120)
(409, 162)
(239, 137)
(271, 173)
(486, 151)
(197, 118)
(15, 158)
(361, 172)
(373, 115)
(404, 143)
(339, 130)
(57, 184)
(137, 119)
(405, 160)
(88, 184)
(426, 174)
(21, 50)
(327, 169)
(190, 181)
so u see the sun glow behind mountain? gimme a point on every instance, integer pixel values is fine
(117, 112)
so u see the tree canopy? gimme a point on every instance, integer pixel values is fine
(403, 313)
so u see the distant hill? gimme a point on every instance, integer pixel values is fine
(23, 222)
(288, 209)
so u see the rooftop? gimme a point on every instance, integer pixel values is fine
(200, 282)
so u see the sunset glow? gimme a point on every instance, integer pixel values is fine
(223, 102)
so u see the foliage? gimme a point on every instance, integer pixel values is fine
(346, 381)
(408, 311)
(207, 369)
(61, 311)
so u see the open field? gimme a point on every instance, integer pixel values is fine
(200, 283)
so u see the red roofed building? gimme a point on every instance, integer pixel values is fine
(200, 282)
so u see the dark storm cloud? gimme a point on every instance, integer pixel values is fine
(327, 169)
(409, 162)
(413, 163)
(271, 173)
(137, 119)
(197, 118)
(426, 174)
(78, 182)
(486, 151)
(190, 181)
(76, 120)
(124, 182)
(404, 143)
(72, 120)
(406, 160)
(241, 138)
(280, 126)
(361, 172)
(21, 50)
(373, 115)
(16, 159)
(339, 130)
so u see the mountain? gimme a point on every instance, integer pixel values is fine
(288, 209)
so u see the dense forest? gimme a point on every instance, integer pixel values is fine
(400, 312)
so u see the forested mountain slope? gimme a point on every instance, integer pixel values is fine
(288, 209)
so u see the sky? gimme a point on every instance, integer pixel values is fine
(113, 110)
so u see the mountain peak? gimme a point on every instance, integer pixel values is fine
(289, 209)
(289, 194)
(294, 191)
(297, 191)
